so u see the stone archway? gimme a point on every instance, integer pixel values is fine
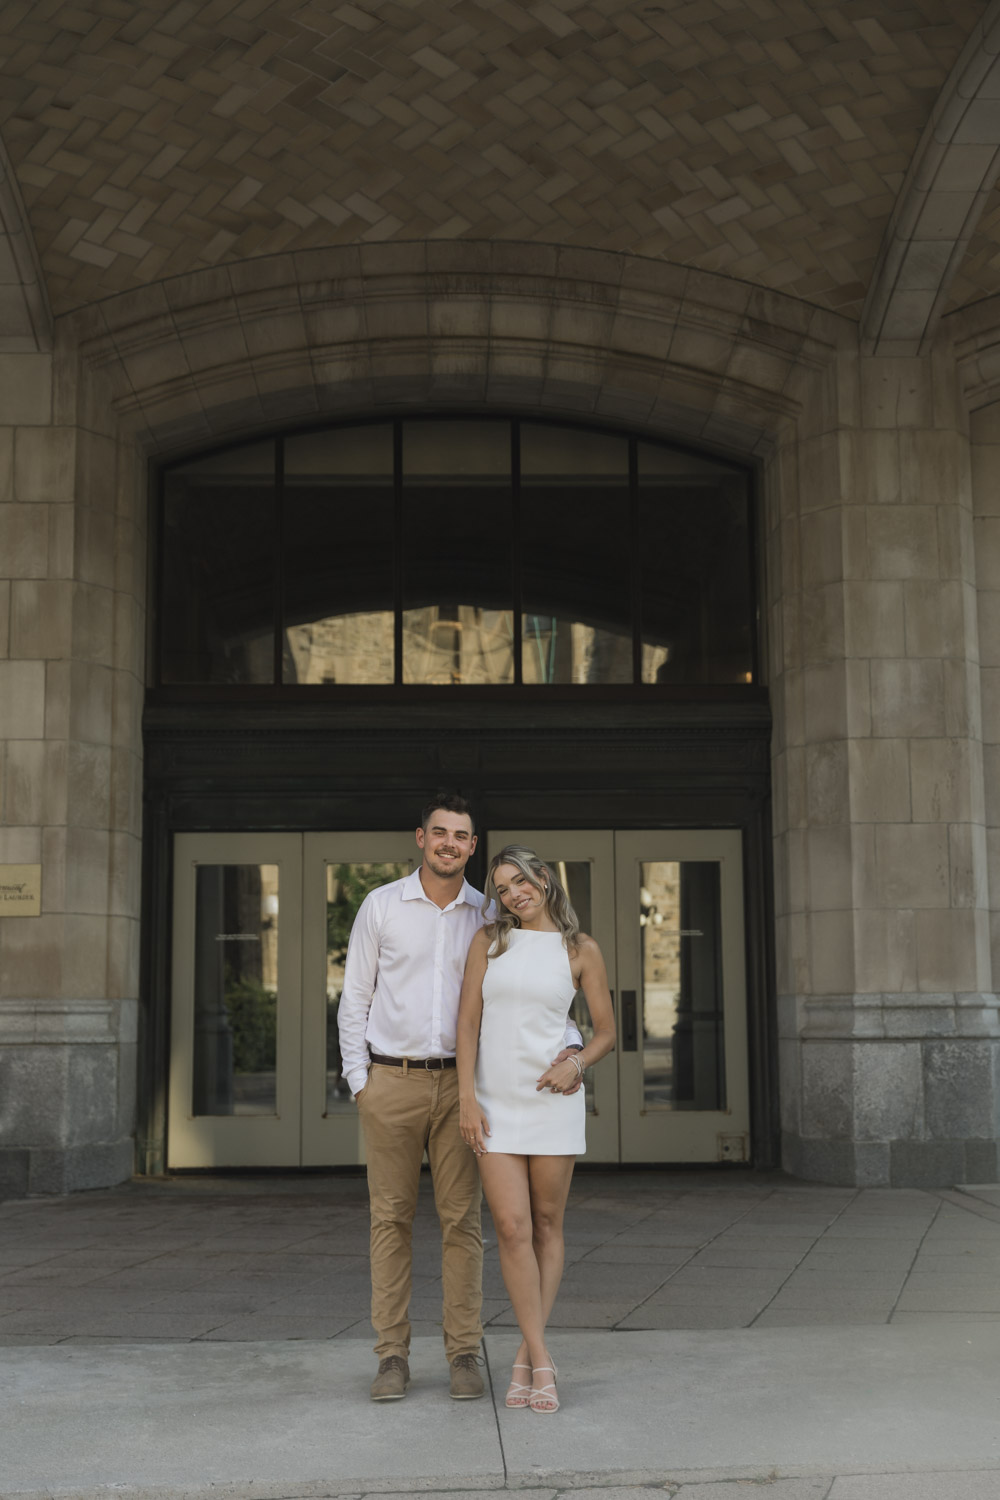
(870, 976)
(295, 339)
(940, 203)
(202, 358)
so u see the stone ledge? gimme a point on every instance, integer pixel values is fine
(889, 1016)
(58, 1022)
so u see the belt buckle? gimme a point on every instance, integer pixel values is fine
(436, 1064)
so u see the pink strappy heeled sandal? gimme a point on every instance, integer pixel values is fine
(546, 1393)
(518, 1394)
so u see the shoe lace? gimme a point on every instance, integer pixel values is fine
(393, 1362)
(467, 1361)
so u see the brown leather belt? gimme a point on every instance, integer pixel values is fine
(434, 1063)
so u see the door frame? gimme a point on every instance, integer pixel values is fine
(552, 765)
(331, 1140)
(303, 1132)
(270, 1140)
(596, 846)
(704, 1136)
(615, 1133)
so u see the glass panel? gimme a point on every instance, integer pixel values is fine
(235, 990)
(575, 556)
(337, 527)
(694, 534)
(347, 885)
(457, 555)
(681, 995)
(219, 533)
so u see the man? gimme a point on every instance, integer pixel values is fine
(397, 1018)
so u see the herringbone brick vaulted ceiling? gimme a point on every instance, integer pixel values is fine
(766, 139)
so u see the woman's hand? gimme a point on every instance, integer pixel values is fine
(560, 1077)
(561, 1057)
(473, 1125)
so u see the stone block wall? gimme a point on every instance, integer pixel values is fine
(890, 1038)
(881, 589)
(72, 580)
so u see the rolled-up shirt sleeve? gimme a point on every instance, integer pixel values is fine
(572, 1037)
(360, 977)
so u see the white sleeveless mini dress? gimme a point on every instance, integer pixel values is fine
(527, 993)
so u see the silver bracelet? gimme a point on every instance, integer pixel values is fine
(574, 1057)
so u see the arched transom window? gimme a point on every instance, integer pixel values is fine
(455, 552)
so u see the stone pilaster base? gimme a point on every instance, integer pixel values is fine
(67, 1094)
(24, 1170)
(914, 1164)
(891, 1090)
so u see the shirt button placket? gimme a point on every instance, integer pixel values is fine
(435, 1042)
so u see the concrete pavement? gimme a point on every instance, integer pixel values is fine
(210, 1337)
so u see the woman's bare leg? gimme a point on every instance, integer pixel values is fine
(506, 1184)
(549, 1180)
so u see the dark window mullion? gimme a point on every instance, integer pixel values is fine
(397, 551)
(753, 553)
(158, 593)
(279, 559)
(636, 563)
(515, 499)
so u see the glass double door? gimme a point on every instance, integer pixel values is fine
(666, 908)
(260, 930)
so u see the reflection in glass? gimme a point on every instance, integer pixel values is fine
(694, 550)
(219, 535)
(235, 990)
(681, 986)
(456, 553)
(575, 556)
(574, 877)
(337, 556)
(347, 885)
(333, 553)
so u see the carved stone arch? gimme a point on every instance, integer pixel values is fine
(974, 334)
(25, 315)
(294, 338)
(939, 205)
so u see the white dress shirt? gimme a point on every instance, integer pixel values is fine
(403, 976)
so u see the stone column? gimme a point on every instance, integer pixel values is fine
(888, 1024)
(72, 558)
(985, 446)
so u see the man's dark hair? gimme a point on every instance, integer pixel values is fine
(448, 802)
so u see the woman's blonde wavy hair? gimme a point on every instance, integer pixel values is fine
(543, 878)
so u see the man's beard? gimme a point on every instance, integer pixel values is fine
(455, 868)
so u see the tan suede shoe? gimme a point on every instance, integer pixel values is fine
(466, 1381)
(392, 1379)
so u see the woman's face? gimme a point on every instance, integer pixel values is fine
(517, 893)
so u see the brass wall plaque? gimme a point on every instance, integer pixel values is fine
(20, 890)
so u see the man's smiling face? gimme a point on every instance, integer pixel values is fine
(447, 842)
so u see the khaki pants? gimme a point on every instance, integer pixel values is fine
(401, 1115)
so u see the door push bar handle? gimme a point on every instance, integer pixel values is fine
(630, 1033)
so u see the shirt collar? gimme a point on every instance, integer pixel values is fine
(414, 891)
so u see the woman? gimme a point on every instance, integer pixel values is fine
(522, 972)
